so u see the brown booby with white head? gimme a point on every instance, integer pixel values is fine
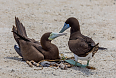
(30, 49)
(79, 44)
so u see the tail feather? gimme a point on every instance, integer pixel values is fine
(20, 28)
(15, 36)
(21, 37)
(102, 48)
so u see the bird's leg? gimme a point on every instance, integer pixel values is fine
(75, 63)
(76, 59)
(87, 62)
(89, 67)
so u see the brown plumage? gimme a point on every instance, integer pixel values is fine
(31, 49)
(82, 46)
(78, 43)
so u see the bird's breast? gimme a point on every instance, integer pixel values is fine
(88, 57)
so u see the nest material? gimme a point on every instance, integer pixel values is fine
(50, 63)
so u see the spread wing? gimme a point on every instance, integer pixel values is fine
(79, 47)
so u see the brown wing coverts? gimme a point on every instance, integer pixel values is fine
(29, 48)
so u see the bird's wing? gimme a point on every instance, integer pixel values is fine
(92, 43)
(30, 51)
(20, 28)
(29, 48)
(20, 32)
(78, 47)
(89, 41)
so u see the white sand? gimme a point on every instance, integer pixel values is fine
(97, 19)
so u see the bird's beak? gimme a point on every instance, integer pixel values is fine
(55, 35)
(66, 26)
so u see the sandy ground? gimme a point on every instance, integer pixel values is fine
(97, 19)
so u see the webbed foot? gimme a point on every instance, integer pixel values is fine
(75, 63)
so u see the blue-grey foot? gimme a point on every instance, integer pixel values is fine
(75, 63)
(87, 62)
(79, 64)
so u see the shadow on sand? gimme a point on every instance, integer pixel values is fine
(15, 58)
(85, 71)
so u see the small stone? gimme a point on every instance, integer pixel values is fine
(82, 23)
(113, 37)
(12, 70)
(55, 19)
(94, 34)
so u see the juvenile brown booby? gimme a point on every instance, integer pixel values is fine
(79, 44)
(30, 49)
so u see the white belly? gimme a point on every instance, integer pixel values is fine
(88, 57)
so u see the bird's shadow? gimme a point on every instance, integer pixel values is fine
(85, 71)
(15, 58)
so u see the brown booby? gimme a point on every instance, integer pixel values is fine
(79, 44)
(30, 49)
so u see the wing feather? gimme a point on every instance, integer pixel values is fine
(78, 47)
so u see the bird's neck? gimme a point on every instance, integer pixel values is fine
(73, 30)
(75, 35)
(47, 45)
